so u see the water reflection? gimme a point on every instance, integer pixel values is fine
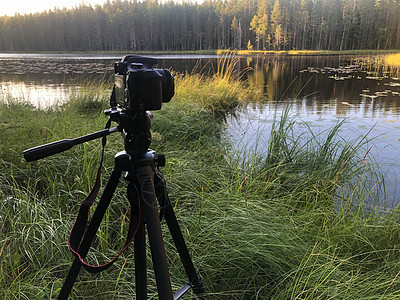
(324, 78)
(249, 131)
(40, 95)
(46, 80)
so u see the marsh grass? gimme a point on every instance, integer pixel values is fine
(293, 223)
(219, 92)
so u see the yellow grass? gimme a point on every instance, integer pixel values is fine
(307, 52)
(304, 52)
(392, 60)
(266, 52)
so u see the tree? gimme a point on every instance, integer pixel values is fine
(276, 18)
(170, 25)
(249, 46)
(259, 24)
(237, 27)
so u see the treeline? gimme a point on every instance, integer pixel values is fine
(133, 25)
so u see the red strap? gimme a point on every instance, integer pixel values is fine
(80, 225)
(81, 222)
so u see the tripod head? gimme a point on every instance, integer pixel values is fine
(135, 127)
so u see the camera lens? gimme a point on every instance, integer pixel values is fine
(168, 85)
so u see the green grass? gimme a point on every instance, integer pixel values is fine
(296, 223)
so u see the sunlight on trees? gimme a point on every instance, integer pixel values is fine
(187, 26)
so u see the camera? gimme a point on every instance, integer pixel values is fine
(139, 87)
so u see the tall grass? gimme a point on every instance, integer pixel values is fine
(287, 225)
(220, 92)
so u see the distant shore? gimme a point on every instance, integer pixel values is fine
(311, 52)
(229, 51)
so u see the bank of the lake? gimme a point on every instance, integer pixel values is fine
(227, 51)
(311, 52)
(295, 222)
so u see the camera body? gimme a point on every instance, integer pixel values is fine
(139, 87)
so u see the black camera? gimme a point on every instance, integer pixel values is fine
(139, 87)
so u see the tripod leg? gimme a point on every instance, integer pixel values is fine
(91, 231)
(195, 281)
(140, 249)
(140, 264)
(145, 180)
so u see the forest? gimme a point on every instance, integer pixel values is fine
(153, 25)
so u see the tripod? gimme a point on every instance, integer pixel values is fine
(146, 192)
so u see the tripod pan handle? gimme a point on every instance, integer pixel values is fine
(42, 151)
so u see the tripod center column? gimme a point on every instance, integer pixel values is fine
(143, 166)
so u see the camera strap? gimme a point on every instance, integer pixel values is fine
(81, 223)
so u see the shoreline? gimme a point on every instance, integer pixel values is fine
(225, 52)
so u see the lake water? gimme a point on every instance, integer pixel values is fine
(48, 79)
(321, 90)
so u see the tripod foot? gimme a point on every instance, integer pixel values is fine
(198, 285)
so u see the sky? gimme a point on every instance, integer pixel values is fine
(10, 7)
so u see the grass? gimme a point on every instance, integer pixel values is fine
(294, 223)
(393, 60)
(220, 92)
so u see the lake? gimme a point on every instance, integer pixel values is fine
(48, 79)
(321, 91)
